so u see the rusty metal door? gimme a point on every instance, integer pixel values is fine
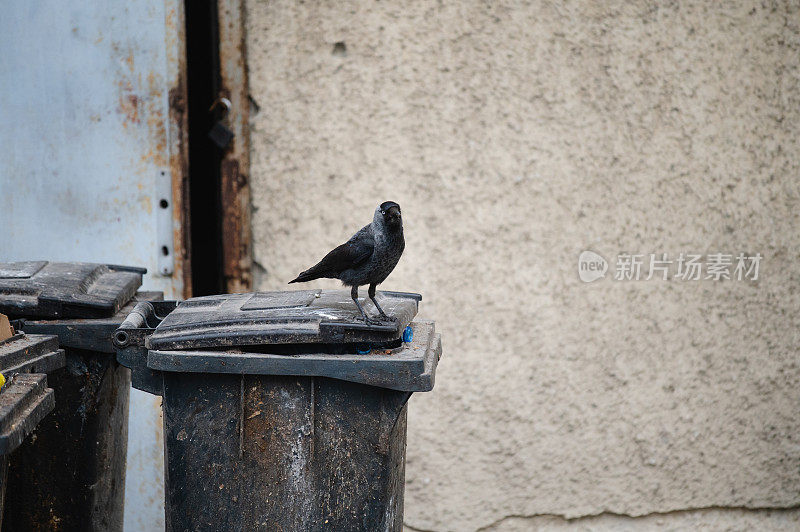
(92, 163)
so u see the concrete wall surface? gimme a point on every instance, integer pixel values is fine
(516, 135)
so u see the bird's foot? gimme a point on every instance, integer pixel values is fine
(370, 321)
(389, 319)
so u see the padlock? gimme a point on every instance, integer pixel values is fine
(220, 134)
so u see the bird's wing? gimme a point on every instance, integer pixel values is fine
(350, 254)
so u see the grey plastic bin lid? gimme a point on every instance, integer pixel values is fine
(304, 333)
(47, 290)
(25, 398)
(264, 318)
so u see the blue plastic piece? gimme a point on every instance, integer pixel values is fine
(408, 334)
(364, 352)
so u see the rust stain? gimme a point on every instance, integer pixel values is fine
(173, 22)
(179, 168)
(232, 230)
(129, 100)
(176, 143)
(237, 258)
(156, 121)
(129, 60)
(142, 103)
(144, 115)
(129, 106)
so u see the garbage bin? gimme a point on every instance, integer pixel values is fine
(281, 410)
(25, 398)
(72, 475)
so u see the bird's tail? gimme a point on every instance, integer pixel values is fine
(308, 275)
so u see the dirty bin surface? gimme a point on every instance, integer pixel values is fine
(71, 476)
(25, 398)
(282, 410)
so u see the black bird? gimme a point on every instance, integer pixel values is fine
(367, 258)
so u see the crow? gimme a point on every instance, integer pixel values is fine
(367, 258)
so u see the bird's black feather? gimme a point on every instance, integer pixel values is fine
(345, 257)
(367, 258)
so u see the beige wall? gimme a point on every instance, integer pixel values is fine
(516, 135)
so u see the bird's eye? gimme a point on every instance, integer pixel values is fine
(383, 212)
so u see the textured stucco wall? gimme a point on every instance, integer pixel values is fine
(516, 135)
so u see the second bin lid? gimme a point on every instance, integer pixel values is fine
(26, 353)
(42, 289)
(25, 398)
(299, 317)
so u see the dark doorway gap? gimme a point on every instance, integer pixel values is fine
(205, 208)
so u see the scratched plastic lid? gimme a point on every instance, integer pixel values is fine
(49, 290)
(293, 317)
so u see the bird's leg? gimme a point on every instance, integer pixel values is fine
(354, 295)
(371, 292)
